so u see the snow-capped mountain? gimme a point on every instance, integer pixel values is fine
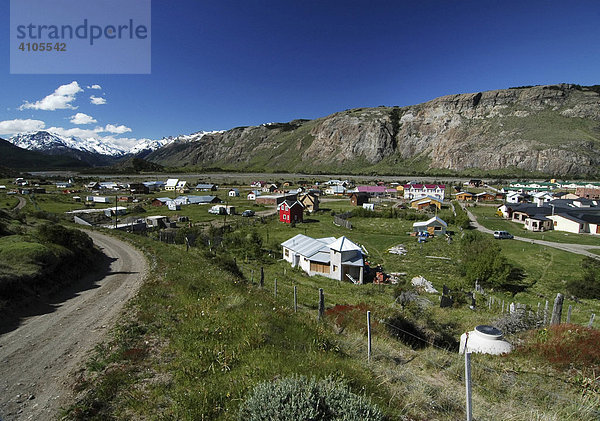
(52, 143)
(186, 138)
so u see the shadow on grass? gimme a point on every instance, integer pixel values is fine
(31, 303)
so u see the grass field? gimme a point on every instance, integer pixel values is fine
(202, 332)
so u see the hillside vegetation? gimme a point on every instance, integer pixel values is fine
(543, 130)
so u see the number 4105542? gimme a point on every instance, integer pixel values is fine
(43, 46)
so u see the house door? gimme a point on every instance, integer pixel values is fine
(598, 229)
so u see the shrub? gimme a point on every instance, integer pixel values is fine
(589, 285)
(299, 398)
(69, 238)
(566, 346)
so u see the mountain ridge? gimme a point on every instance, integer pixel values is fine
(545, 130)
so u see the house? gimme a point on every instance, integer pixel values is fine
(173, 206)
(464, 196)
(161, 201)
(139, 188)
(485, 197)
(270, 188)
(171, 184)
(64, 185)
(290, 211)
(125, 199)
(339, 259)
(253, 195)
(475, 183)
(181, 187)
(275, 199)
(97, 199)
(116, 210)
(234, 193)
(515, 197)
(206, 187)
(157, 221)
(433, 226)
(108, 185)
(425, 202)
(538, 223)
(358, 199)
(258, 184)
(196, 200)
(372, 191)
(414, 191)
(336, 190)
(154, 185)
(309, 201)
(576, 222)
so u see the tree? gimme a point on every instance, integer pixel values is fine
(588, 286)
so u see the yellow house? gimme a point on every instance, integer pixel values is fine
(425, 202)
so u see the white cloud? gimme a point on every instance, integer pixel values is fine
(81, 118)
(111, 128)
(11, 127)
(94, 87)
(60, 99)
(97, 100)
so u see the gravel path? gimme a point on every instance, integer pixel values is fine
(38, 357)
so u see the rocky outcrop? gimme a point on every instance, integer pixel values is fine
(551, 129)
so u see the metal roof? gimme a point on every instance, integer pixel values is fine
(307, 246)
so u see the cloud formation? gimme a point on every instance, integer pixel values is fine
(94, 87)
(11, 127)
(111, 128)
(60, 99)
(96, 100)
(81, 118)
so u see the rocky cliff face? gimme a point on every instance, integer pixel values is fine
(546, 129)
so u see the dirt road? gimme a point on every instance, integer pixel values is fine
(21, 204)
(37, 357)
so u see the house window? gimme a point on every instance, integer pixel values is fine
(335, 268)
(286, 253)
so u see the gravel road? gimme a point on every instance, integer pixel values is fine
(38, 357)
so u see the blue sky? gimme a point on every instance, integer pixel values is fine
(222, 64)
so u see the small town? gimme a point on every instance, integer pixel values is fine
(299, 211)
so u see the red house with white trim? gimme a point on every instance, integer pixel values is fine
(290, 211)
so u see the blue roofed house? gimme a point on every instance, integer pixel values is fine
(339, 259)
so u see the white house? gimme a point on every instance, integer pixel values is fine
(335, 190)
(171, 184)
(581, 223)
(234, 192)
(434, 225)
(339, 259)
(415, 191)
(97, 199)
(253, 195)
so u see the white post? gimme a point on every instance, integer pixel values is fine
(368, 336)
(468, 384)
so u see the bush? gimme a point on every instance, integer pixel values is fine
(589, 285)
(72, 239)
(299, 398)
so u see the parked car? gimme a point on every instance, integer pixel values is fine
(248, 212)
(502, 235)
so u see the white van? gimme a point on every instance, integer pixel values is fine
(502, 235)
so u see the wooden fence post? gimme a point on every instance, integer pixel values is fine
(368, 336)
(592, 320)
(569, 314)
(468, 385)
(262, 277)
(275, 287)
(295, 299)
(546, 313)
(557, 309)
(321, 304)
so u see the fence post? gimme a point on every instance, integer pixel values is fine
(275, 287)
(368, 336)
(546, 313)
(557, 309)
(321, 304)
(592, 320)
(252, 276)
(262, 277)
(295, 299)
(569, 314)
(468, 385)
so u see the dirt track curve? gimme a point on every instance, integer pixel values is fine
(38, 356)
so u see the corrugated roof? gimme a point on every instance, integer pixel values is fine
(307, 246)
(343, 244)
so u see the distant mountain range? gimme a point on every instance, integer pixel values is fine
(92, 152)
(22, 159)
(551, 130)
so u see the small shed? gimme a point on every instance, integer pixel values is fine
(290, 211)
(359, 198)
(432, 226)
